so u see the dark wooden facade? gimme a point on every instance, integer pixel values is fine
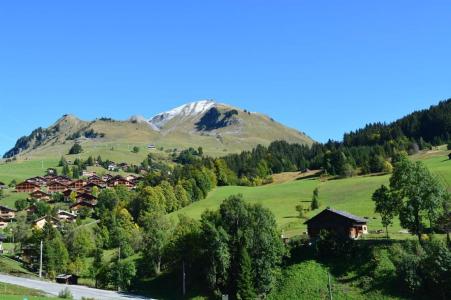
(56, 187)
(340, 222)
(27, 187)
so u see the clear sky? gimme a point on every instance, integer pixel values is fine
(324, 67)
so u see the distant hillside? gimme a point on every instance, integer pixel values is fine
(432, 125)
(218, 128)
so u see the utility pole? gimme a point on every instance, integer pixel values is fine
(330, 287)
(40, 262)
(184, 278)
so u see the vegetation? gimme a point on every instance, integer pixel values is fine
(76, 149)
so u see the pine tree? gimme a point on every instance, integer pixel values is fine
(315, 201)
(245, 288)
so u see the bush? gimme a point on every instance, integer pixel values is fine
(65, 294)
(76, 149)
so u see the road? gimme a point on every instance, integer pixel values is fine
(77, 291)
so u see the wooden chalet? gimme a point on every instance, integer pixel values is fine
(77, 184)
(119, 180)
(86, 197)
(40, 222)
(79, 205)
(63, 179)
(65, 216)
(85, 173)
(38, 180)
(27, 187)
(40, 196)
(56, 187)
(107, 177)
(96, 180)
(337, 221)
(7, 213)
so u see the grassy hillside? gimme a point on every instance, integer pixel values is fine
(114, 139)
(350, 194)
(15, 292)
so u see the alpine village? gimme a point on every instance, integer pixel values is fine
(365, 218)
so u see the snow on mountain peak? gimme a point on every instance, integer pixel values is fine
(187, 110)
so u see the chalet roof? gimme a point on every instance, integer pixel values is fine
(56, 182)
(63, 212)
(47, 218)
(82, 203)
(340, 213)
(27, 182)
(86, 196)
(39, 193)
(6, 208)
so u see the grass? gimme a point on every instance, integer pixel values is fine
(10, 266)
(15, 292)
(309, 280)
(10, 197)
(351, 194)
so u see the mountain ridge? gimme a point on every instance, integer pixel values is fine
(217, 126)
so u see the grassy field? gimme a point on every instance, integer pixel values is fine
(15, 292)
(10, 266)
(309, 280)
(350, 194)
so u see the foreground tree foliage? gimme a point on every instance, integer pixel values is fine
(421, 193)
(227, 235)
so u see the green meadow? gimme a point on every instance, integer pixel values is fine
(351, 194)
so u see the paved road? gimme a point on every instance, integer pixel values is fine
(78, 291)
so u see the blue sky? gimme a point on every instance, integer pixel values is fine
(324, 67)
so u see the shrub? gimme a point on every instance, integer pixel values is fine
(65, 294)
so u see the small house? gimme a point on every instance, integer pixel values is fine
(40, 195)
(119, 180)
(27, 187)
(337, 221)
(79, 205)
(66, 216)
(7, 213)
(112, 167)
(56, 187)
(67, 279)
(77, 184)
(86, 197)
(107, 177)
(40, 222)
(88, 173)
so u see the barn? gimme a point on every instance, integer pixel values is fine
(337, 221)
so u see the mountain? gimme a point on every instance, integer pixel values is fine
(217, 127)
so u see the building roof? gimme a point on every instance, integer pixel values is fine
(341, 213)
(63, 212)
(82, 203)
(6, 208)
